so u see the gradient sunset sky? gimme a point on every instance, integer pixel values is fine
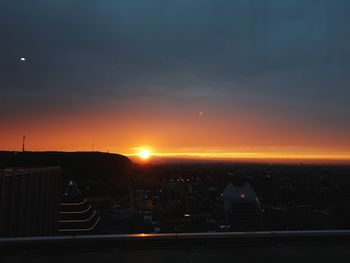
(239, 78)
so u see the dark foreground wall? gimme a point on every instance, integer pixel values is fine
(29, 201)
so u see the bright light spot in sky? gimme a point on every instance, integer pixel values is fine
(144, 154)
(23, 59)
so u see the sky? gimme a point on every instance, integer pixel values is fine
(202, 78)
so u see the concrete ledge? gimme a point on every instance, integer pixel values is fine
(174, 240)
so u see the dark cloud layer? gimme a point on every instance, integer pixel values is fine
(286, 56)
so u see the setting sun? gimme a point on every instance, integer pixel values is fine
(144, 154)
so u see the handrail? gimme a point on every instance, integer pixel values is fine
(178, 236)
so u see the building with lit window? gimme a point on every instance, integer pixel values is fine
(243, 210)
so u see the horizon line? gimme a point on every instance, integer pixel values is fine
(227, 156)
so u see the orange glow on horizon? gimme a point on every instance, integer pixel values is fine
(168, 131)
(256, 156)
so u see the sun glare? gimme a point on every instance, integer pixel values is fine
(144, 154)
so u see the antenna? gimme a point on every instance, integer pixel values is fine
(23, 143)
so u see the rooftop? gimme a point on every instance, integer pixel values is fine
(25, 170)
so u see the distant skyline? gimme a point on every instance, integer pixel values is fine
(213, 78)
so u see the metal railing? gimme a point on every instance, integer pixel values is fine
(175, 240)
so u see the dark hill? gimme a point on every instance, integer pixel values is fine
(75, 165)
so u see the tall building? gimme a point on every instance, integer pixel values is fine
(29, 201)
(243, 210)
(76, 214)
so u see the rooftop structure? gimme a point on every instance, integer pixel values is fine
(76, 214)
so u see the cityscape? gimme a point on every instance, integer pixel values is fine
(103, 193)
(174, 131)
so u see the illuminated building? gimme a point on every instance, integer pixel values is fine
(243, 210)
